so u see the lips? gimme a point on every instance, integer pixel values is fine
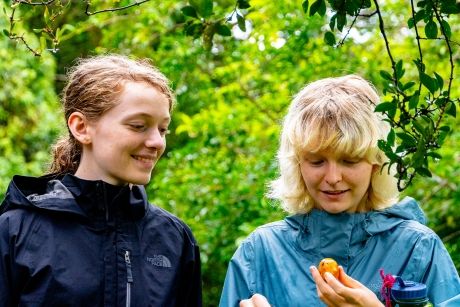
(145, 158)
(335, 192)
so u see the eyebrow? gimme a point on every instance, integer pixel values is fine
(147, 115)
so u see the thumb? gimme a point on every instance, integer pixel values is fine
(260, 300)
(348, 281)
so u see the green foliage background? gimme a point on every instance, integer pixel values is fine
(231, 99)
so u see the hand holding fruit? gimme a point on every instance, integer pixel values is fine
(341, 290)
(328, 265)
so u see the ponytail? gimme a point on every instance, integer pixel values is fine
(66, 156)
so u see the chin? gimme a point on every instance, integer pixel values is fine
(139, 180)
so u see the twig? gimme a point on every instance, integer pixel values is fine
(368, 15)
(451, 236)
(417, 38)
(87, 12)
(34, 3)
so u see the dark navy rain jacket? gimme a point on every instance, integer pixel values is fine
(73, 242)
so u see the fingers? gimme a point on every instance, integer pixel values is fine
(256, 300)
(325, 292)
(246, 303)
(347, 280)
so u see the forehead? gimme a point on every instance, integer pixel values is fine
(141, 99)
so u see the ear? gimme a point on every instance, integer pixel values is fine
(79, 127)
(376, 168)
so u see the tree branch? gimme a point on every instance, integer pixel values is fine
(34, 3)
(88, 4)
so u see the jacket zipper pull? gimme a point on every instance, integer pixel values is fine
(129, 278)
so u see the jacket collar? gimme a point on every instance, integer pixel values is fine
(344, 234)
(73, 195)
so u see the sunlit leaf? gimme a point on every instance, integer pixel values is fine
(241, 22)
(431, 29)
(329, 38)
(189, 11)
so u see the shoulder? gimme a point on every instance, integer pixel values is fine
(17, 217)
(267, 234)
(159, 218)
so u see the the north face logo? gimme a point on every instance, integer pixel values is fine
(159, 260)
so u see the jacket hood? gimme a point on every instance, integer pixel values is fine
(70, 194)
(374, 221)
(348, 230)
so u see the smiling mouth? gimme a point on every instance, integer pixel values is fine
(335, 192)
(144, 159)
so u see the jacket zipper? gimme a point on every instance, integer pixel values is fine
(129, 278)
(106, 205)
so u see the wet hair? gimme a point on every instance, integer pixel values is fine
(93, 88)
(332, 114)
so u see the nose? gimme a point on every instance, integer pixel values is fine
(333, 174)
(156, 140)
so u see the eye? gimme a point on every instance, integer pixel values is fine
(164, 131)
(351, 161)
(315, 162)
(138, 127)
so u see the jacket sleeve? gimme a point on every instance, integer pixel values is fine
(239, 282)
(440, 274)
(190, 293)
(5, 260)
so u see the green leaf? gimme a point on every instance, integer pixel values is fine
(305, 6)
(399, 69)
(6, 32)
(382, 145)
(391, 138)
(46, 15)
(329, 38)
(243, 4)
(42, 43)
(223, 30)
(414, 100)
(194, 29)
(203, 7)
(332, 22)
(431, 29)
(445, 128)
(319, 6)
(434, 155)
(341, 21)
(446, 28)
(419, 127)
(451, 109)
(189, 11)
(450, 7)
(57, 36)
(407, 138)
(408, 85)
(385, 107)
(418, 159)
(439, 80)
(414, 20)
(423, 171)
(430, 83)
(386, 75)
(241, 22)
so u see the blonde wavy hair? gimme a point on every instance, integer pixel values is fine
(335, 114)
(94, 86)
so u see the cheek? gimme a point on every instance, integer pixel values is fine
(363, 176)
(309, 176)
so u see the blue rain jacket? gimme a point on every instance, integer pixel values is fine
(275, 259)
(74, 242)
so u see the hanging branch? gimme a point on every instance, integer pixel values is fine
(88, 4)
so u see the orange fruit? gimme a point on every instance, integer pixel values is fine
(329, 265)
